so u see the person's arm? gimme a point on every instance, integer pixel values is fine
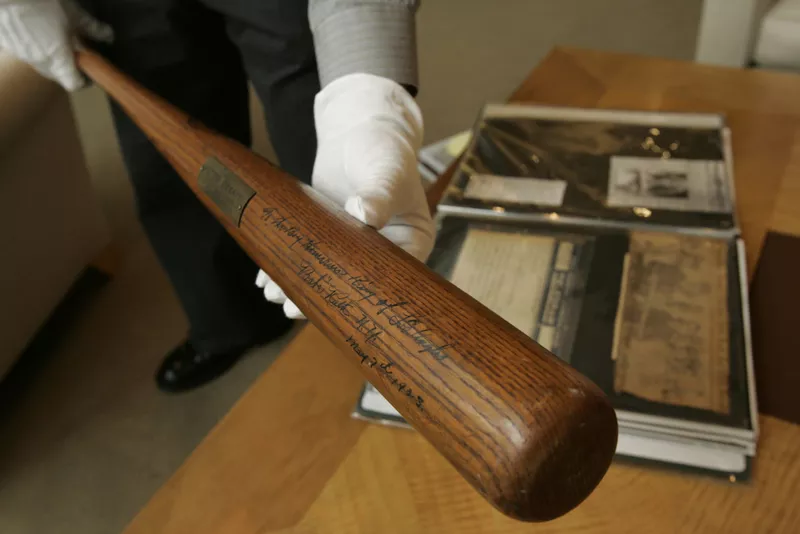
(365, 36)
(369, 128)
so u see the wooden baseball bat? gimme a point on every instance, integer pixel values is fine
(531, 434)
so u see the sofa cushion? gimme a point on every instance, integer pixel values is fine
(24, 94)
(51, 225)
(779, 41)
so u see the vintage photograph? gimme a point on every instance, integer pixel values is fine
(665, 184)
(670, 184)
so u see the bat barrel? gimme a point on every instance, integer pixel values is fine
(532, 435)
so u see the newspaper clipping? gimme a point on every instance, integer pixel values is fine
(671, 342)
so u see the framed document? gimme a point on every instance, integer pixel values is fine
(610, 238)
(649, 168)
(654, 319)
(372, 406)
(661, 329)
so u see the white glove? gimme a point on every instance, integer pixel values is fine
(40, 33)
(369, 130)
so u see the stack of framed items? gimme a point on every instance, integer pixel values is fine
(434, 159)
(610, 237)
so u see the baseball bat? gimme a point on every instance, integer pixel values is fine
(527, 431)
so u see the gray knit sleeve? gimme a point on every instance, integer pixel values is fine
(372, 36)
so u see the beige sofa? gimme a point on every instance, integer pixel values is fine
(51, 225)
(778, 44)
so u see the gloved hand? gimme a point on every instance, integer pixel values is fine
(369, 130)
(41, 32)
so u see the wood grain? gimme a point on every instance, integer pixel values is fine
(527, 431)
(288, 458)
(393, 483)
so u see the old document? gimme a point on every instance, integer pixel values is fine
(671, 342)
(516, 190)
(506, 272)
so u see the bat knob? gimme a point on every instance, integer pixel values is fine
(553, 480)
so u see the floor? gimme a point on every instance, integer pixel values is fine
(85, 438)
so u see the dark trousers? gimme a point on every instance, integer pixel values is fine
(198, 55)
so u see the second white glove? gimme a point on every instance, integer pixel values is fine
(40, 33)
(369, 130)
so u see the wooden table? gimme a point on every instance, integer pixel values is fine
(288, 458)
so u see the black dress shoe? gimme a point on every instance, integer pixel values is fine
(186, 368)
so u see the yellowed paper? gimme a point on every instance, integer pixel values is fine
(671, 339)
(520, 190)
(506, 272)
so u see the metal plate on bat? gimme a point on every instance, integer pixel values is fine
(227, 190)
